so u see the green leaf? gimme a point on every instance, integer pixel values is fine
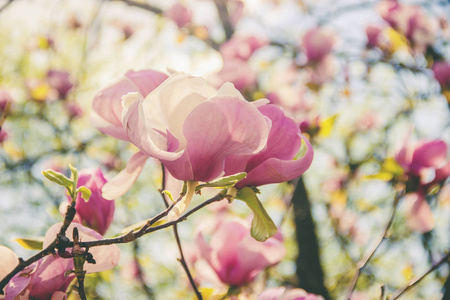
(223, 182)
(74, 174)
(31, 243)
(138, 226)
(58, 178)
(85, 193)
(262, 225)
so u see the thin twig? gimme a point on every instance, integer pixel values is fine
(145, 6)
(224, 17)
(140, 273)
(361, 264)
(417, 280)
(6, 5)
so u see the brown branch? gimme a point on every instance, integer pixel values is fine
(224, 17)
(145, 6)
(361, 264)
(417, 280)
(6, 5)
(140, 273)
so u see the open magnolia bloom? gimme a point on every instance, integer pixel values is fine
(45, 279)
(191, 128)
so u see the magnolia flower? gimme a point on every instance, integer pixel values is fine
(242, 47)
(317, 43)
(190, 127)
(107, 103)
(410, 21)
(45, 279)
(281, 293)
(441, 72)
(419, 217)
(235, 256)
(276, 162)
(373, 34)
(238, 72)
(179, 14)
(60, 82)
(98, 212)
(426, 160)
(8, 262)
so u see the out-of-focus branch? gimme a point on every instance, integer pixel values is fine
(5, 5)
(140, 273)
(309, 270)
(361, 264)
(222, 10)
(417, 280)
(145, 6)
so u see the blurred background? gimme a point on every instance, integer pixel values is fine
(361, 78)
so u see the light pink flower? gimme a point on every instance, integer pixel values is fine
(235, 256)
(3, 135)
(426, 160)
(410, 21)
(242, 47)
(238, 72)
(419, 217)
(441, 72)
(190, 127)
(317, 43)
(5, 97)
(281, 293)
(107, 104)
(373, 35)
(276, 162)
(98, 212)
(179, 14)
(60, 82)
(45, 278)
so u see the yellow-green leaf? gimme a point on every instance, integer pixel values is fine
(31, 243)
(85, 193)
(58, 178)
(262, 225)
(223, 182)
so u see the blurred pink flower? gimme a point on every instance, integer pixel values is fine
(235, 256)
(5, 97)
(322, 70)
(3, 135)
(238, 72)
(317, 43)
(235, 11)
(98, 212)
(419, 217)
(107, 104)
(73, 109)
(184, 123)
(45, 279)
(179, 14)
(276, 162)
(242, 47)
(60, 82)
(410, 21)
(281, 293)
(373, 35)
(441, 70)
(426, 160)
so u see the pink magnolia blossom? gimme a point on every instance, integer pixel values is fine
(281, 293)
(317, 43)
(322, 70)
(242, 47)
(419, 217)
(3, 135)
(179, 14)
(276, 162)
(190, 127)
(98, 212)
(107, 104)
(5, 97)
(441, 72)
(238, 72)
(235, 11)
(45, 278)
(410, 21)
(426, 160)
(373, 35)
(235, 256)
(60, 82)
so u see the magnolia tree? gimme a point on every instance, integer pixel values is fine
(295, 149)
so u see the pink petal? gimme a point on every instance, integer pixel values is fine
(271, 294)
(217, 128)
(106, 257)
(123, 181)
(418, 213)
(8, 261)
(429, 154)
(275, 170)
(17, 286)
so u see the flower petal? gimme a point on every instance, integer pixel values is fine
(123, 181)
(418, 213)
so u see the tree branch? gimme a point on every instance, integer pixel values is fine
(361, 264)
(417, 280)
